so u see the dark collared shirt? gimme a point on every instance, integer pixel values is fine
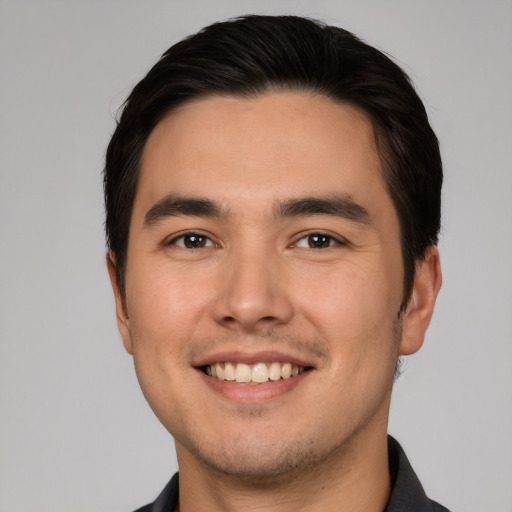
(407, 494)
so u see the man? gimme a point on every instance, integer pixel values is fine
(273, 205)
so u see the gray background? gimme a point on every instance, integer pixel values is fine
(75, 431)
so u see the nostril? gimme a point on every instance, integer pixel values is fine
(268, 318)
(251, 309)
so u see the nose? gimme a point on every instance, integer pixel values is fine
(253, 294)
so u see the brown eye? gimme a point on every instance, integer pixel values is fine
(319, 241)
(192, 241)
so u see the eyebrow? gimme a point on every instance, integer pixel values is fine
(339, 206)
(173, 206)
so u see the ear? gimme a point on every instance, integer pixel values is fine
(427, 283)
(123, 321)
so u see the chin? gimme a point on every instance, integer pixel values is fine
(259, 463)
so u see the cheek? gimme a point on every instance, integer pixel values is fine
(355, 313)
(164, 307)
(164, 314)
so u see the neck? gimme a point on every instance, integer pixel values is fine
(352, 478)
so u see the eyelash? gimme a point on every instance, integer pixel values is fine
(321, 238)
(190, 236)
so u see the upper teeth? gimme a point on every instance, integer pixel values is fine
(259, 373)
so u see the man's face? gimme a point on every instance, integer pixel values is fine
(262, 232)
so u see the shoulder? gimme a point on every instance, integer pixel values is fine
(146, 508)
(407, 492)
(166, 500)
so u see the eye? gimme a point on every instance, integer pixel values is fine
(192, 241)
(317, 241)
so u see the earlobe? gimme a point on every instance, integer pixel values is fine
(123, 323)
(427, 283)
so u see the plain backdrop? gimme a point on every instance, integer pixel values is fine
(75, 432)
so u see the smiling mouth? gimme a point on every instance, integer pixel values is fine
(258, 373)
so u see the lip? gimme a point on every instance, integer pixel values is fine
(253, 393)
(267, 356)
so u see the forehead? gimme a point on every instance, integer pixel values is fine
(264, 148)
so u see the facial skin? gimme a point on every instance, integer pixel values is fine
(254, 290)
